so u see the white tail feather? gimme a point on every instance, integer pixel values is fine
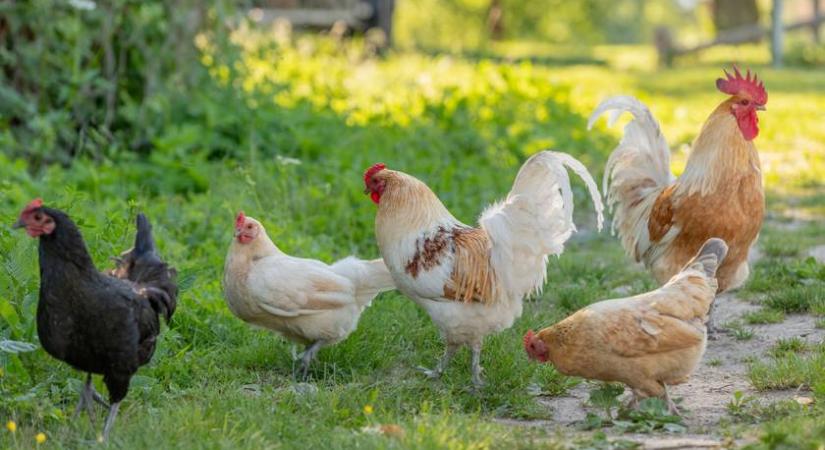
(535, 220)
(370, 277)
(637, 170)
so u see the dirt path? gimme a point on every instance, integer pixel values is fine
(723, 371)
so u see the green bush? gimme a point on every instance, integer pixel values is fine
(96, 79)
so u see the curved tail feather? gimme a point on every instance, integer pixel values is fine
(370, 277)
(637, 170)
(535, 220)
(152, 277)
(144, 242)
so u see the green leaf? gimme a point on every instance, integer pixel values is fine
(15, 347)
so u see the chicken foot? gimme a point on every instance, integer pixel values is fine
(671, 405)
(633, 402)
(110, 420)
(88, 395)
(449, 352)
(306, 358)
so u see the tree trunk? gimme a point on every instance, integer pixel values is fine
(776, 33)
(495, 24)
(732, 14)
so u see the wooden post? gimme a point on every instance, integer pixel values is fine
(385, 13)
(776, 33)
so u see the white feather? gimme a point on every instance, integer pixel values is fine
(534, 221)
(636, 171)
(303, 299)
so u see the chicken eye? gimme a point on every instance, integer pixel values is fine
(249, 227)
(38, 216)
(744, 102)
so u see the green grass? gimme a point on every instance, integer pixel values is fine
(764, 316)
(789, 345)
(311, 121)
(738, 330)
(791, 368)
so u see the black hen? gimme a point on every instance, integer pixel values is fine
(102, 323)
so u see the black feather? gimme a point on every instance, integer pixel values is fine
(103, 323)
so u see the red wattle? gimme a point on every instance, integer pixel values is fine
(749, 125)
(375, 196)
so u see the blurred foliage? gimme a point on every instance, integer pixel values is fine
(432, 24)
(805, 54)
(93, 78)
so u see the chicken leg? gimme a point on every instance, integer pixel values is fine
(110, 420)
(476, 366)
(449, 352)
(671, 405)
(307, 357)
(714, 330)
(88, 395)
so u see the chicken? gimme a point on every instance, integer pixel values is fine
(305, 300)
(471, 281)
(99, 323)
(648, 341)
(661, 220)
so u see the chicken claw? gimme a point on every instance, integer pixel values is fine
(671, 405)
(449, 352)
(110, 420)
(88, 395)
(430, 373)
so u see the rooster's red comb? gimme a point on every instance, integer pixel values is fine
(240, 219)
(373, 170)
(735, 84)
(528, 338)
(34, 204)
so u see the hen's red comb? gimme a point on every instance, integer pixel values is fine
(373, 170)
(528, 338)
(34, 204)
(735, 85)
(239, 221)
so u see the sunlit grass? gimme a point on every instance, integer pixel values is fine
(410, 87)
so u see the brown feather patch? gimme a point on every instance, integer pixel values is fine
(472, 279)
(733, 212)
(661, 216)
(428, 252)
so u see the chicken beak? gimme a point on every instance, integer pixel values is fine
(237, 232)
(366, 190)
(760, 108)
(19, 224)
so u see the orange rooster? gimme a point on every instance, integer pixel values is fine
(662, 221)
(648, 341)
(472, 281)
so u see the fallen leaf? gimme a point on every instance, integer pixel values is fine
(804, 401)
(393, 430)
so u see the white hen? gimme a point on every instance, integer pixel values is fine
(305, 300)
